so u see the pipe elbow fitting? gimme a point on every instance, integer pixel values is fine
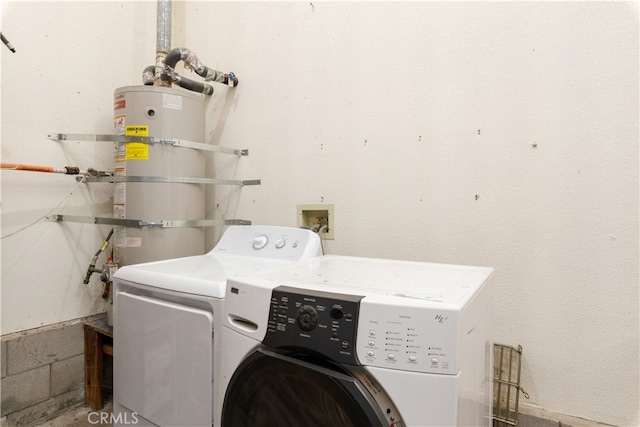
(148, 75)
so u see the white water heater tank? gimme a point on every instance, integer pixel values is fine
(147, 193)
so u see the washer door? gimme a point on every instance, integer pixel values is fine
(273, 389)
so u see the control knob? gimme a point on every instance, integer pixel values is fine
(307, 318)
(260, 242)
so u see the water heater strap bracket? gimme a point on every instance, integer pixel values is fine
(168, 179)
(147, 140)
(137, 223)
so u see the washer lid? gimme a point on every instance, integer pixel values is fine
(199, 275)
(242, 249)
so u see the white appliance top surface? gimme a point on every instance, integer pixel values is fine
(241, 249)
(200, 275)
(441, 283)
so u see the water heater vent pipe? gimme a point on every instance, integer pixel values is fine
(163, 40)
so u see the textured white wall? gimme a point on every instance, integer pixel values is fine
(69, 58)
(499, 134)
(399, 114)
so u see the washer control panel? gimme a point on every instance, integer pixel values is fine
(319, 322)
(262, 241)
(405, 337)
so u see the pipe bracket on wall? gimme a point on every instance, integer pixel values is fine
(137, 223)
(147, 140)
(168, 179)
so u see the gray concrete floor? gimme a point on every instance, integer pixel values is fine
(82, 417)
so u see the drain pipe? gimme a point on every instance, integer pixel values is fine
(163, 40)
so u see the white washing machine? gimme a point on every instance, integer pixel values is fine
(167, 318)
(353, 341)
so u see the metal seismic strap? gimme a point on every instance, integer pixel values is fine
(146, 140)
(168, 179)
(137, 223)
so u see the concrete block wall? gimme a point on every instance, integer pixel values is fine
(42, 372)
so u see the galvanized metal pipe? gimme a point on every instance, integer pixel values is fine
(163, 39)
(163, 36)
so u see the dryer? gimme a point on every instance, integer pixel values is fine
(167, 321)
(356, 341)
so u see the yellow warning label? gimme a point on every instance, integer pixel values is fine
(137, 130)
(137, 151)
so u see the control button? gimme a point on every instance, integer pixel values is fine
(391, 356)
(371, 343)
(370, 353)
(260, 242)
(372, 333)
(344, 344)
(280, 243)
(434, 360)
(307, 318)
(413, 358)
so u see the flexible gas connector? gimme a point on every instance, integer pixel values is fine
(92, 267)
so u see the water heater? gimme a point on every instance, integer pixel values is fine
(157, 187)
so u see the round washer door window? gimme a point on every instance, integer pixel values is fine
(272, 389)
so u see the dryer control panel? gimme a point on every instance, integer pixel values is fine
(322, 323)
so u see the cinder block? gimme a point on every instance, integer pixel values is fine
(50, 408)
(3, 361)
(25, 389)
(67, 375)
(44, 346)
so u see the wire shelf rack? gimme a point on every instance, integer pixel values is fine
(506, 388)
